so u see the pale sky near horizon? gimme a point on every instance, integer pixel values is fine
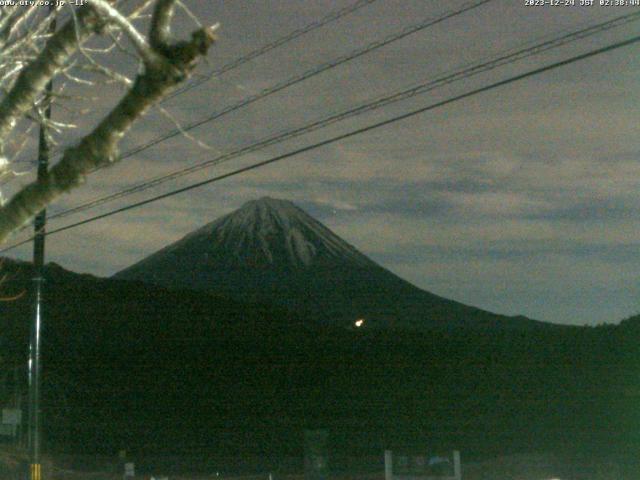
(521, 200)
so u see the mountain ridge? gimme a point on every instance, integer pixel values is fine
(271, 250)
(244, 234)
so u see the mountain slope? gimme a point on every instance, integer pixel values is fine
(161, 370)
(264, 233)
(270, 250)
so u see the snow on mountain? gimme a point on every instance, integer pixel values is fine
(274, 232)
(270, 250)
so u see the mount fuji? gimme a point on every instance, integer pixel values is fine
(270, 250)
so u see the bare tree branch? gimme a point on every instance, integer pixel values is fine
(166, 66)
(161, 23)
(34, 78)
(139, 42)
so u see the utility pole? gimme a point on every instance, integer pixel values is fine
(35, 364)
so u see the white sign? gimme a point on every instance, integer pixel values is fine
(11, 416)
(129, 469)
(419, 468)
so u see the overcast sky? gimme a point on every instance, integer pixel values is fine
(522, 200)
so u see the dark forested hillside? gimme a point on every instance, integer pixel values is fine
(132, 366)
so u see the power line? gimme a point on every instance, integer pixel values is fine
(297, 79)
(422, 25)
(350, 134)
(308, 74)
(238, 62)
(505, 58)
(331, 17)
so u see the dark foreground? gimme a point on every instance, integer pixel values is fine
(512, 467)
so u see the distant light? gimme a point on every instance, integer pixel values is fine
(359, 322)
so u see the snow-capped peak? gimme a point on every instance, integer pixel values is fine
(272, 232)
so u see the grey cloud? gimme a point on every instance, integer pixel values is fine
(515, 251)
(520, 200)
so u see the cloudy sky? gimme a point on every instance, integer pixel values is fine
(521, 200)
